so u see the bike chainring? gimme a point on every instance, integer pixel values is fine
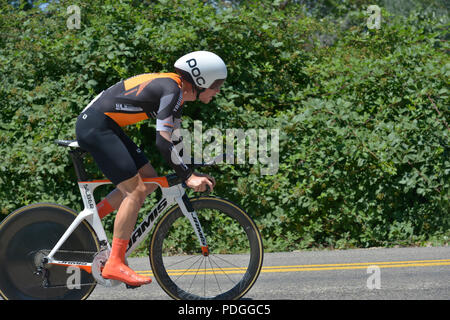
(98, 263)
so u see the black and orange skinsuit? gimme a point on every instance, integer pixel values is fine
(98, 128)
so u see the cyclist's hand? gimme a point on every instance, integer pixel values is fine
(211, 178)
(200, 182)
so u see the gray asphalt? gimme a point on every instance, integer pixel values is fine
(359, 274)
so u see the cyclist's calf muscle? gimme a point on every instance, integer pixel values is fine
(134, 190)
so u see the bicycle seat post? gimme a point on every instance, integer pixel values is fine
(76, 154)
(77, 160)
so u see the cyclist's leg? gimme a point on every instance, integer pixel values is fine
(147, 171)
(113, 200)
(100, 135)
(135, 192)
(110, 203)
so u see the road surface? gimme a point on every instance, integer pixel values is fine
(359, 274)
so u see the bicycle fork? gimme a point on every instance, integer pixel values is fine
(189, 212)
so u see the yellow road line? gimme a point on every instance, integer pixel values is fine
(312, 267)
(402, 265)
(363, 263)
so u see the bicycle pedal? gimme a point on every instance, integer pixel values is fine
(131, 287)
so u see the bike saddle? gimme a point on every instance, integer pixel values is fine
(67, 143)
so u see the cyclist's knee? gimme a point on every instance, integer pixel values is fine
(140, 193)
(134, 189)
(147, 171)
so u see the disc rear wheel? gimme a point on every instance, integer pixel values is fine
(26, 237)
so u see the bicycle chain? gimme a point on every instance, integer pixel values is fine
(41, 270)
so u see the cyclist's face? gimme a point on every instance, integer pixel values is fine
(207, 95)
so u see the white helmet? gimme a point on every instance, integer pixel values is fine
(203, 69)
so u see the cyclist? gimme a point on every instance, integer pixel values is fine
(199, 75)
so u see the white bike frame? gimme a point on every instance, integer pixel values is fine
(170, 196)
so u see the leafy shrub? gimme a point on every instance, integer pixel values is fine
(362, 114)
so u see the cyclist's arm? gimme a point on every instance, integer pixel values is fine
(170, 154)
(194, 180)
(177, 139)
(168, 119)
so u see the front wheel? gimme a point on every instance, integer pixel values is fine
(235, 252)
(26, 236)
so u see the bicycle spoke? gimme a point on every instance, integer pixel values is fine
(217, 281)
(188, 268)
(173, 264)
(204, 279)
(234, 258)
(224, 273)
(198, 269)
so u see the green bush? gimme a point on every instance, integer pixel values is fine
(362, 114)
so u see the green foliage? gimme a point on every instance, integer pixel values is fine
(362, 114)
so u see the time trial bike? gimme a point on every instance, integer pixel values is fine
(202, 247)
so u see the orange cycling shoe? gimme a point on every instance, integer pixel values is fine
(116, 269)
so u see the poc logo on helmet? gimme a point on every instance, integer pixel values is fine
(195, 71)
